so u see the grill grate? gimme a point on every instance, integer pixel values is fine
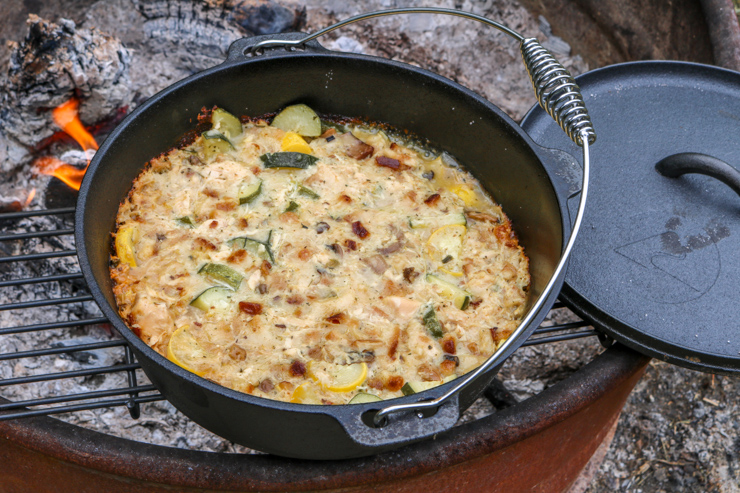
(41, 242)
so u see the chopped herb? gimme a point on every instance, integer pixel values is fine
(430, 321)
(293, 206)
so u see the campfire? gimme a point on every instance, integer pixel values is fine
(67, 118)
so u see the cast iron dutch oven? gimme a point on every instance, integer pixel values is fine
(531, 183)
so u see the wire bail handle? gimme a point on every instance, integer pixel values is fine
(559, 95)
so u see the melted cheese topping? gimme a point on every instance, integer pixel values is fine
(345, 277)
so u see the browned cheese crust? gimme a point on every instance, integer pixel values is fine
(329, 278)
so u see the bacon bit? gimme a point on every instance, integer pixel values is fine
(394, 383)
(226, 205)
(394, 146)
(328, 132)
(265, 268)
(266, 385)
(482, 216)
(474, 304)
(448, 344)
(214, 224)
(249, 388)
(297, 368)
(284, 385)
(428, 373)
(375, 383)
(243, 223)
(211, 193)
(447, 367)
(410, 274)
(250, 308)
(337, 318)
(388, 162)
(237, 256)
(432, 199)
(237, 353)
(280, 326)
(305, 254)
(350, 244)
(494, 333)
(345, 198)
(357, 149)
(295, 299)
(262, 288)
(203, 244)
(394, 343)
(359, 230)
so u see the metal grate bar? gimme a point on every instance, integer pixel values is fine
(67, 374)
(83, 396)
(38, 256)
(37, 280)
(38, 213)
(80, 407)
(557, 328)
(41, 303)
(63, 350)
(560, 338)
(53, 325)
(36, 234)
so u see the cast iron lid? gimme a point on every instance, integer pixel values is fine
(657, 262)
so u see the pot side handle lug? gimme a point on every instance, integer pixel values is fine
(400, 428)
(676, 165)
(241, 49)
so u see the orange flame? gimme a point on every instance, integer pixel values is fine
(65, 115)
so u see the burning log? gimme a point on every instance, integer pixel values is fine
(53, 63)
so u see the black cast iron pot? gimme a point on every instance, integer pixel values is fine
(527, 180)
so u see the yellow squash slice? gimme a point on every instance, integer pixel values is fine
(185, 351)
(292, 142)
(125, 245)
(444, 248)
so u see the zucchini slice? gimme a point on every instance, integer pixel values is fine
(222, 273)
(457, 295)
(214, 143)
(444, 248)
(288, 160)
(226, 123)
(430, 321)
(410, 388)
(300, 119)
(439, 221)
(250, 191)
(307, 192)
(185, 221)
(215, 298)
(363, 397)
(262, 249)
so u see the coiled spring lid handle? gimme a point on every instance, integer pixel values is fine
(559, 95)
